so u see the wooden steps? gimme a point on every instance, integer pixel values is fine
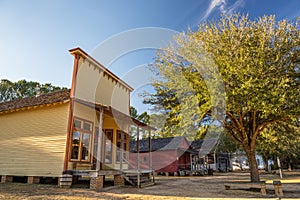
(146, 179)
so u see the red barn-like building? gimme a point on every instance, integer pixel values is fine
(169, 155)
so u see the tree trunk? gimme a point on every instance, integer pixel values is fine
(289, 164)
(253, 166)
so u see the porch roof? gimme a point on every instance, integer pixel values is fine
(113, 113)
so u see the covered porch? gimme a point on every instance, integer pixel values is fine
(98, 146)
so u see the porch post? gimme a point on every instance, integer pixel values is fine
(191, 161)
(150, 150)
(121, 151)
(138, 155)
(99, 147)
(150, 156)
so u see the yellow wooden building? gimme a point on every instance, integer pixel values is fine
(81, 131)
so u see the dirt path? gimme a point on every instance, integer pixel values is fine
(211, 187)
(194, 187)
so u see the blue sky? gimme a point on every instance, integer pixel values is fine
(35, 35)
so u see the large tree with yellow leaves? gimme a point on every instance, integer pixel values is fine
(241, 73)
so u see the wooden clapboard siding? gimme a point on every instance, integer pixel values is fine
(85, 112)
(93, 84)
(33, 141)
(168, 154)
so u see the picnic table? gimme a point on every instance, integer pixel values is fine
(262, 185)
(278, 185)
(243, 185)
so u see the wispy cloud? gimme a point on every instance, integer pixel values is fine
(213, 5)
(232, 8)
(223, 7)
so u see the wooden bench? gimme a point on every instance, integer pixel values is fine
(242, 185)
(278, 185)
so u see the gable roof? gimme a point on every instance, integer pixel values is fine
(201, 146)
(205, 146)
(159, 144)
(196, 144)
(44, 99)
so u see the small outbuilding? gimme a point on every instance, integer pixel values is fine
(167, 155)
(208, 157)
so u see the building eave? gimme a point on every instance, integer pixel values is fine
(53, 98)
(113, 112)
(34, 107)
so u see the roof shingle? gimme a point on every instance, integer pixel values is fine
(159, 144)
(49, 98)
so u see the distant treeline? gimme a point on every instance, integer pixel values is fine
(12, 90)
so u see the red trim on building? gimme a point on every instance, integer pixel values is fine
(70, 120)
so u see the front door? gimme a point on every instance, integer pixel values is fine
(107, 142)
